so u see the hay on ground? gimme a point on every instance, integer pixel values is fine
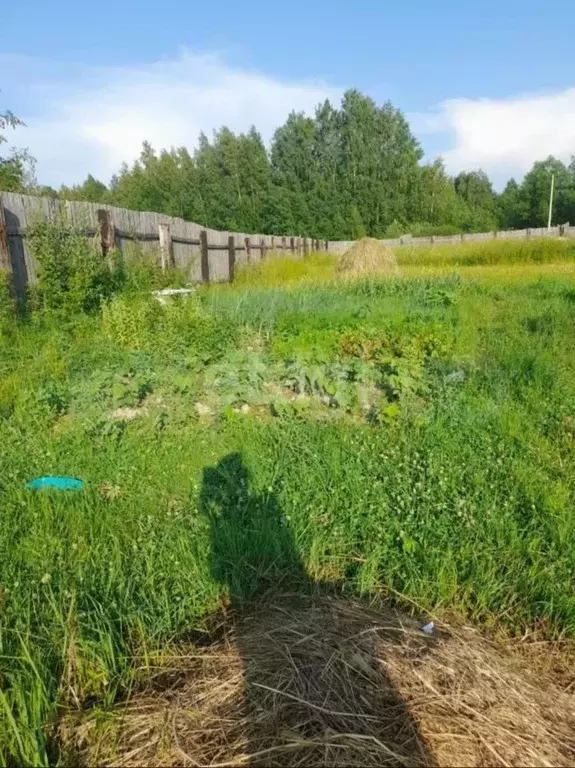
(368, 257)
(328, 681)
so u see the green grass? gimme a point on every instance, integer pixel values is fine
(412, 436)
(489, 252)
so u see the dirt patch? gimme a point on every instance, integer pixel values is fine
(328, 681)
(368, 257)
(126, 413)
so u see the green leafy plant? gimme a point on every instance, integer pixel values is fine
(131, 321)
(72, 274)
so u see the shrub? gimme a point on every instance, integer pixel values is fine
(396, 229)
(72, 275)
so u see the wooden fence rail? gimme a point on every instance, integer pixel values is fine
(207, 255)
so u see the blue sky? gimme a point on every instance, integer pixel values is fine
(488, 84)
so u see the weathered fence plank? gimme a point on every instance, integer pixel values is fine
(231, 257)
(166, 246)
(204, 256)
(107, 231)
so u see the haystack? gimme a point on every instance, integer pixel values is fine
(368, 257)
(329, 681)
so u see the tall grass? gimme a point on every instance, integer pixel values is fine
(278, 269)
(480, 257)
(459, 496)
(489, 252)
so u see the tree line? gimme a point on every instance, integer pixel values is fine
(344, 173)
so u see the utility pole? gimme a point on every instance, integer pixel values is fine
(551, 202)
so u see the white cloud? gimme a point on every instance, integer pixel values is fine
(505, 136)
(92, 120)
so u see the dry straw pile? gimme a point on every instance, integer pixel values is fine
(331, 682)
(368, 257)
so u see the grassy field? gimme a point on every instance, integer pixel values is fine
(412, 437)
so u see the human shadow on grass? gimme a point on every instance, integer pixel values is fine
(315, 690)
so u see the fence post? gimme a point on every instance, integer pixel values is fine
(231, 257)
(248, 248)
(5, 256)
(205, 262)
(326, 246)
(272, 244)
(166, 246)
(462, 237)
(528, 232)
(305, 246)
(292, 245)
(283, 244)
(107, 231)
(262, 248)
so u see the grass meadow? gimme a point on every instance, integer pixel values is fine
(414, 437)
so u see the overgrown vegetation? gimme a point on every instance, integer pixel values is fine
(414, 436)
(72, 274)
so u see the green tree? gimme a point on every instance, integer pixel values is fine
(536, 189)
(91, 190)
(475, 189)
(292, 166)
(14, 166)
(433, 201)
(511, 212)
(380, 160)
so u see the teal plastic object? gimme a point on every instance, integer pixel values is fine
(60, 483)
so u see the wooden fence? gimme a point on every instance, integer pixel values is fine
(206, 254)
(563, 230)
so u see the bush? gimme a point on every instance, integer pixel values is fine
(396, 229)
(72, 274)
